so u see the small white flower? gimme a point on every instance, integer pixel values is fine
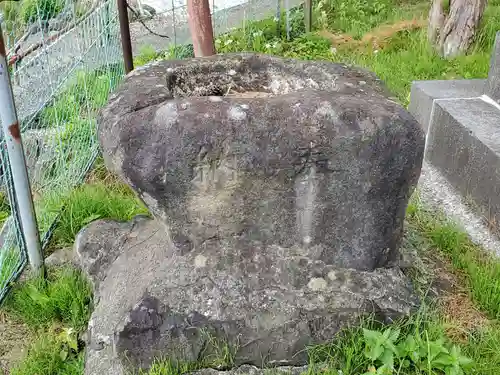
(257, 33)
(333, 50)
(375, 52)
(268, 46)
(228, 42)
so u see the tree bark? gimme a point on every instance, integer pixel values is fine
(453, 25)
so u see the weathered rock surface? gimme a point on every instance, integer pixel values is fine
(265, 303)
(253, 370)
(256, 148)
(279, 189)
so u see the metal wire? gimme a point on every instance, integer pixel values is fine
(63, 67)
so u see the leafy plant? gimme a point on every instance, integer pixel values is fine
(381, 346)
(389, 354)
(65, 297)
(68, 339)
(52, 354)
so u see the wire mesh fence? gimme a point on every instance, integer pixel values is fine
(65, 58)
(164, 23)
(64, 61)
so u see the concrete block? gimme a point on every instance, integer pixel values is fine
(493, 83)
(463, 143)
(423, 94)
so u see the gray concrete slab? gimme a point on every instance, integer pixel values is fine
(493, 83)
(423, 94)
(463, 143)
(435, 192)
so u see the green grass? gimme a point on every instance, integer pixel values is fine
(72, 116)
(481, 270)
(407, 58)
(45, 359)
(347, 354)
(32, 10)
(167, 367)
(64, 297)
(88, 203)
(56, 309)
(10, 260)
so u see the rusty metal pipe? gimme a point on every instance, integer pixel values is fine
(128, 58)
(200, 26)
(17, 161)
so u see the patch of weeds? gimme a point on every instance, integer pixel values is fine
(344, 354)
(146, 54)
(92, 89)
(167, 367)
(52, 354)
(83, 97)
(217, 353)
(309, 47)
(87, 203)
(32, 10)
(480, 269)
(409, 57)
(264, 36)
(390, 353)
(63, 109)
(403, 348)
(65, 297)
(12, 24)
(482, 346)
(414, 346)
(358, 17)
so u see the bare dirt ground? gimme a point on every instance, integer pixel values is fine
(14, 339)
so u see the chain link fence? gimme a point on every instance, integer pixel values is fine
(64, 60)
(164, 23)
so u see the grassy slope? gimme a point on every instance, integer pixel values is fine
(406, 58)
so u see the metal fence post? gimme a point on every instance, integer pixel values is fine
(308, 15)
(128, 58)
(22, 189)
(200, 26)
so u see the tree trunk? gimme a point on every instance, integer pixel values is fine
(453, 24)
